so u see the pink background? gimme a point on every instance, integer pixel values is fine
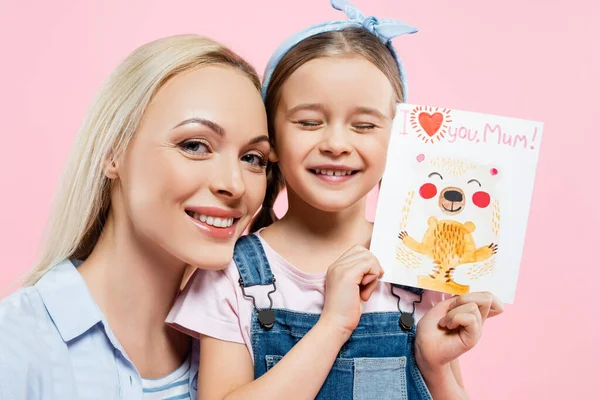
(529, 59)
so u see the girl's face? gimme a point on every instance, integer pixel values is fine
(194, 174)
(332, 126)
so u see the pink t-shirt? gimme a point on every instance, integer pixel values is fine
(212, 303)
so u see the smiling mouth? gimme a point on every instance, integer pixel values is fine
(333, 172)
(452, 210)
(217, 222)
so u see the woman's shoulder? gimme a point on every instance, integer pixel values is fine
(25, 328)
(27, 310)
(22, 309)
(30, 317)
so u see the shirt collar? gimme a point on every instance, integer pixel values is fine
(68, 300)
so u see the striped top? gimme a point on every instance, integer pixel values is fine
(55, 343)
(171, 387)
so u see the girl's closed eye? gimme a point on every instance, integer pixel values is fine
(364, 127)
(309, 124)
(195, 147)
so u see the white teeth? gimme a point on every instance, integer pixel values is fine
(214, 221)
(332, 172)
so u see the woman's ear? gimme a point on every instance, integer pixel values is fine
(111, 169)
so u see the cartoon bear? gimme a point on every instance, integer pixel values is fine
(455, 197)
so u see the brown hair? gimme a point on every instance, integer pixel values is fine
(343, 43)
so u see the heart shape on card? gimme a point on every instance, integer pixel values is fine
(431, 122)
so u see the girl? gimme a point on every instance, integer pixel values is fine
(268, 329)
(166, 172)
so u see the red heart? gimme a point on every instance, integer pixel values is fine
(431, 122)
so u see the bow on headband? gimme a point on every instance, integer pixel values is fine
(384, 29)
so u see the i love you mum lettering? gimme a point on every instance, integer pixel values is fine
(436, 124)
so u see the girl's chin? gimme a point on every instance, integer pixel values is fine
(333, 204)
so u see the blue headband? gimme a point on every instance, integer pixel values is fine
(384, 29)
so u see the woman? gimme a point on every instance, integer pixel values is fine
(166, 173)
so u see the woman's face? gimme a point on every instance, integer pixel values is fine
(194, 174)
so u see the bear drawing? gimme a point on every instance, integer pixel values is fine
(453, 204)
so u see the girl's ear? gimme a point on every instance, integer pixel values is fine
(111, 166)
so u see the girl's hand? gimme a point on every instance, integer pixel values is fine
(350, 281)
(452, 328)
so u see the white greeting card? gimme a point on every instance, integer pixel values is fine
(454, 201)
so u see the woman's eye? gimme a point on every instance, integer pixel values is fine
(364, 127)
(256, 160)
(195, 147)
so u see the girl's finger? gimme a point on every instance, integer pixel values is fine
(357, 248)
(489, 305)
(368, 279)
(469, 308)
(496, 308)
(367, 290)
(351, 259)
(365, 266)
(480, 299)
(471, 328)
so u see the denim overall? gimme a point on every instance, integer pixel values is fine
(377, 362)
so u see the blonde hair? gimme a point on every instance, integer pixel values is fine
(82, 201)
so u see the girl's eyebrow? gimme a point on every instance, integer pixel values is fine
(307, 106)
(369, 111)
(320, 107)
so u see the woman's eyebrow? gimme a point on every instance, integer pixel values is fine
(258, 139)
(213, 126)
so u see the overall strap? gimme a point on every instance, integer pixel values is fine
(410, 289)
(407, 319)
(253, 266)
(251, 261)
